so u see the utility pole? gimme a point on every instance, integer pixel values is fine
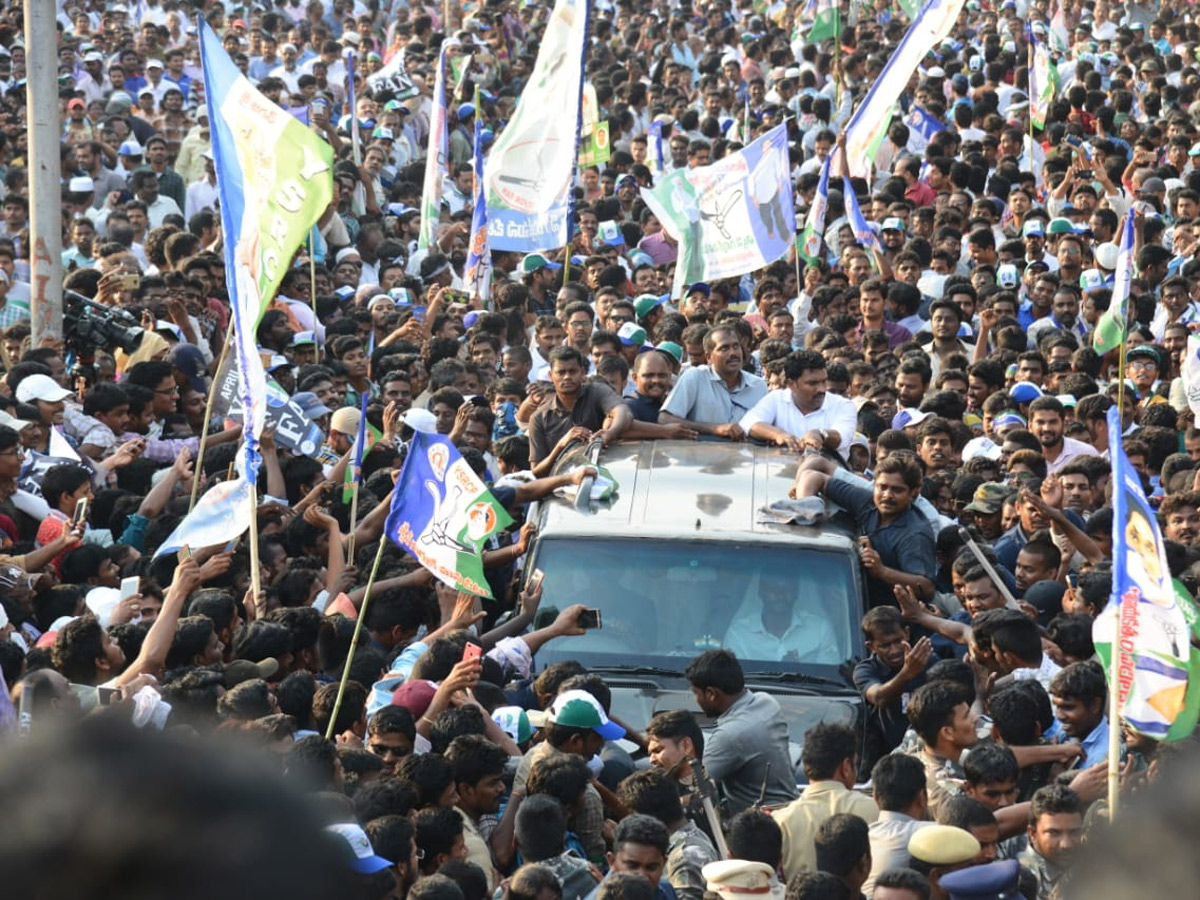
(45, 169)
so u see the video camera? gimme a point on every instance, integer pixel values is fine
(88, 325)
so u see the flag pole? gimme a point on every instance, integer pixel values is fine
(1029, 109)
(353, 517)
(312, 278)
(255, 576)
(1114, 699)
(362, 615)
(208, 409)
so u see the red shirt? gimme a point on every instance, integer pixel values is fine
(921, 194)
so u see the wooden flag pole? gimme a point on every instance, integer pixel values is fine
(358, 623)
(208, 408)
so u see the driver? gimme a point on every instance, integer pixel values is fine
(769, 626)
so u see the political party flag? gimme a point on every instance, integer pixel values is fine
(1060, 37)
(1043, 81)
(442, 514)
(656, 149)
(393, 79)
(827, 23)
(355, 129)
(869, 124)
(436, 157)
(274, 180)
(1142, 636)
(921, 128)
(910, 8)
(1191, 374)
(530, 167)
(363, 442)
(732, 217)
(863, 233)
(478, 273)
(1110, 330)
(814, 224)
(222, 514)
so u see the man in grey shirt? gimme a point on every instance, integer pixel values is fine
(899, 785)
(747, 753)
(713, 398)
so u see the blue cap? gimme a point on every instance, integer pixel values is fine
(1025, 392)
(344, 293)
(701, 286)
(466, 110)
(991, 881)
(311, 404)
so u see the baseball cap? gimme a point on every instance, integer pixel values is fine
(1009, 417)
(241, 670)
(154, 64)
(1153, 185)
(420, 420)
(610, 234)
(532, 262)
(345, 420)
(14, 423)
(701, 286)
(981, 446)
(1061, 226)
(1006, 276)
(647, 302)
(631, 334)
(188, 359)
(466, 110)
(892, 223)
(365, 861)
(1091, 279)
(672, 350)
(415, 695)
(1033, 226)
(41, 387)
(908, 417)
(988, 498)
(579, 709)
(77, 102)
(514, 722)
(1143, 351)
(311, 404)
(1025, 391)
(383, 133)
(301, 338)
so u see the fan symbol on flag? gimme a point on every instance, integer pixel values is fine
(720, 210)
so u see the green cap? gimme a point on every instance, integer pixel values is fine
(672, 350)
(644, 303)
(535, 261)
(1061, 226)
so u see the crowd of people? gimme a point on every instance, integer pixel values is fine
(178, 730)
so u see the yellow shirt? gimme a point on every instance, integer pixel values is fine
(801, 818)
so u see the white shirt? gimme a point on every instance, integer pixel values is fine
(1072, 450)
(780, 410)
(200, 195)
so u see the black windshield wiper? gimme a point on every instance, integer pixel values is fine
(797, 678)
(637, 670)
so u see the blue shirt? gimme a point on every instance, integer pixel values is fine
(1095, 745)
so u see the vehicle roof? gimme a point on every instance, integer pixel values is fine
(710, 489)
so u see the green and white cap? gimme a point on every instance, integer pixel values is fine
(579, 709)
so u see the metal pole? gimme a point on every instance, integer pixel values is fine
(45, 170)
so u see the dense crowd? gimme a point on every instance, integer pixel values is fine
(944, 377)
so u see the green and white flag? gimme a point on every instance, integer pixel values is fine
(1111, 329)
(1043, 82)
(827, 23)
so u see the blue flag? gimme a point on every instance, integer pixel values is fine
(274, 180)
(921, 128)
(478, 272)
(656, 148)
(443, 514)
(1143, 634)
(863, 232)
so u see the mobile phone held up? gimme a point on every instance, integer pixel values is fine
(471, 652)
(589, 619)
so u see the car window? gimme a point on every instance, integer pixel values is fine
(777, 607)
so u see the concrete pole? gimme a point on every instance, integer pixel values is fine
(45, 170)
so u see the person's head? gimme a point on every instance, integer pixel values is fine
(640, 847)
(976, 819)
(1056, 824)
(391, 734)
(901, 884)
(885, 635)
(991, 775)
(85, 653)
(830, 753)
(541, 823)
(755, 836)
(898, 781)
(844, 849)
(534, 882)
(439, 834)
(716, 679)
(1079, 694)
(897, 483)
(392, 837)
(940, 713)
(433, 777)
(672, 737)
(478, 773)
(651, 792)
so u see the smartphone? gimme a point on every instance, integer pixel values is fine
(1085, 174)
(108, 696)
(230, 546)
(129, 586)
(419, 313)
(80, 516)
(535, 580)
(186, 551)
(471, 652)
(130, 281)
(590, 618)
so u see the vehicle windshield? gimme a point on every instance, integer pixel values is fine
(778, 608)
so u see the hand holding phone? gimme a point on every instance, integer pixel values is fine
(535, 580)
(80, 516)
(471, 652)
(590, 618)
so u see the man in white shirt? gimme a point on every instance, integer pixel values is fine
(158, 207)
(803, 415)
(202, 194)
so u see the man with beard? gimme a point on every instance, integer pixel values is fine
(1046, 420)
(1055, 834)
(803, 414)
(652, 378)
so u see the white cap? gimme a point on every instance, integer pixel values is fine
(421, 420)
(981, 446)
(41, 387)
(81, 184)
(14, 423)
(154, 64)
